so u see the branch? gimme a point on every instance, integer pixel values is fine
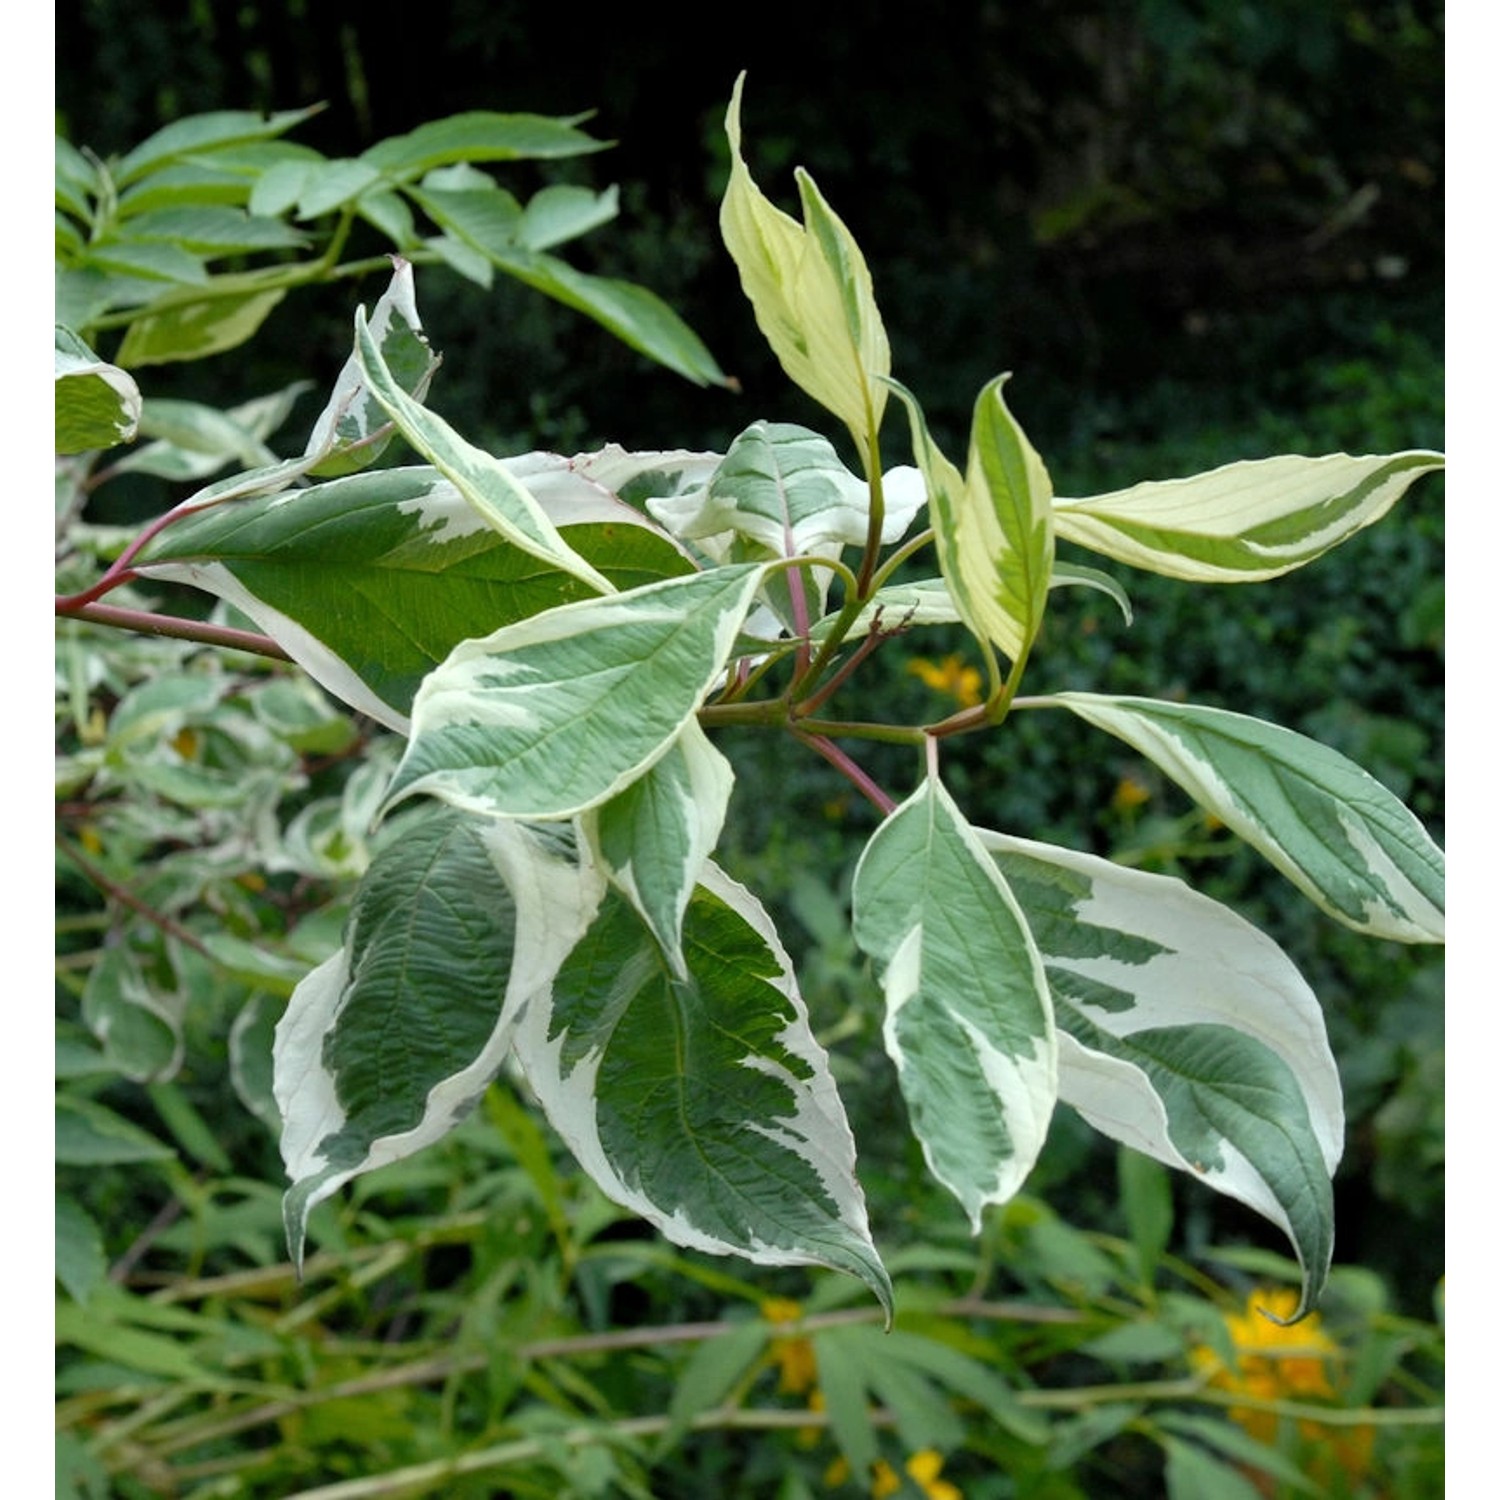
(173, 626)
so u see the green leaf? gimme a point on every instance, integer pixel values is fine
(480, 135)
(369, 581)
(1192, 1473)
(96, 404)
(812, 293)
(712, 1371)
(703, 1104)
(636, 316)
(204, 133)
(560, 712)
(562, 212)
(194, 441)
(992, 527)
(654, 838)
(1244, 521)
(968, 1013)
(1334, 831)
(497, 497)
(215, 230)
(1187, 1035)
(1234, 1442)
(86, 1134)
(196, 323)
(387, 1045)
(139, 1027)
(80, 1260)
(149, 261)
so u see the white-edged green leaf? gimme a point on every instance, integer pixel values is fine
(811, 292)
(1065, 575)
(139, 1026)
(1189, 1036)
(654, 838)
(703, 1104)
(968, 1013)
(370, 580)
(481, 479)
(95, 404)
(560, 712)
(1244, 521)
(193, 441)
(785, 488)
(353, 429)
(386, 1046)
(992, 526)
(1335, 832)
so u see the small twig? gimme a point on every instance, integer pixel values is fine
(146, 623)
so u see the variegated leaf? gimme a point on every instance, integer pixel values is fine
(321, 569)
(353, 429)
(496, 495)
(784, 487)
(95, 404)
(1243, 521)
(992, 526)
(968, 1013)
(654, 838)
(702, 1103)
(1334, 831)
(811, 292)
(559, 713)
(1189, 1035)
(386, 1046)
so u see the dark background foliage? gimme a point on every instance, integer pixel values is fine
(1197, 230)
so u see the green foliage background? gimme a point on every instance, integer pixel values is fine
(1197, 231)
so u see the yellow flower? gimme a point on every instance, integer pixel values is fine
(1129, 794)
(793, 1356)
(950, 677)
(922, 1467)
(1279, 1362)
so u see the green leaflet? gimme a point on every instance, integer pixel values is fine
(654, 838)
(968, 1013)
(1345, 841)
(1190, 1036)
(562, 711)
(369, 581)
(1244, 521)
(811, 291)
(992, 526)
(386, 1046)
(703, 1104)
(480, 135)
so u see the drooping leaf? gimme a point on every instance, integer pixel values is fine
(1244, 521)
(703, 1103)
(96, 404)
(193, 441)
(811, 291)
(1187, 1035)
(558, 713)
(387, 1045)
(369, 581)
(968, 1012)
(1334, 831)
